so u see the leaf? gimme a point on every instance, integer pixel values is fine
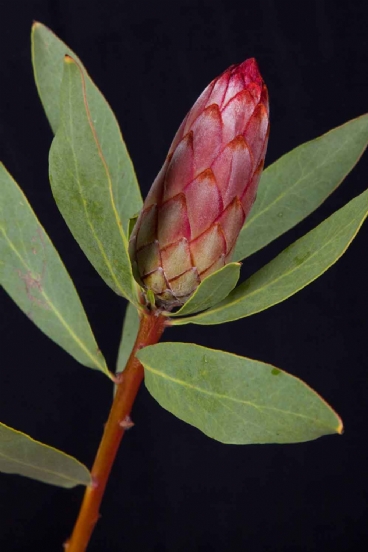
(212, 290)
(48, 53)
(33, 274)
(234, 399)
(131, 225)
(292, 270)
(128, 337)
(21, 454)
(299, 182)
(83, 189)
(129, 334)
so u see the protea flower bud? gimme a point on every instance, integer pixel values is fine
(199, 201)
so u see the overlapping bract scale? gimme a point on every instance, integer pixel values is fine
(201, 197)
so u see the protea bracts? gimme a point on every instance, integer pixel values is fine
(200, 199)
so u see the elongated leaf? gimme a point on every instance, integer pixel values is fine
(48, 53)
(83, 189)
(129, 334)
(297, 266)
(128, 337)
(33, 274)
(234, 399)
(21, 454)
(299, 182)
(212, 290)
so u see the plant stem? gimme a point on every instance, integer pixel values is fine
(151, 328)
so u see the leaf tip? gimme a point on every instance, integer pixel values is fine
(68, 59)
(340, 428)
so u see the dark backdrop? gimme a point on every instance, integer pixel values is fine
(173, 489)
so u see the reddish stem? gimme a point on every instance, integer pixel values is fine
(151, 328)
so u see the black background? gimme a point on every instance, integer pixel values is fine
(172, 489)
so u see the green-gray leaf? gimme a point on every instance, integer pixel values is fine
(128, 337)
(234, 399)
(21, 454)
(212, 290)
(129, 334)
(83, 188)
(33, 274)
(48, 53)
(299, 182)
(297, 266)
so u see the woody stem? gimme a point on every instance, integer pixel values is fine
(151, 328)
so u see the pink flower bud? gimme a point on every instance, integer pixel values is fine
(200, 199)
